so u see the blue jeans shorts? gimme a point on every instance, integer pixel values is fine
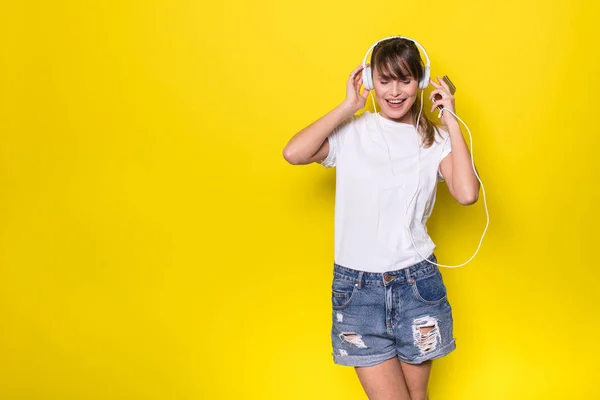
(378, 316)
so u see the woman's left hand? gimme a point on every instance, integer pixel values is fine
(446, 101)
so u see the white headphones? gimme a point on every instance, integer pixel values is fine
(367, 74)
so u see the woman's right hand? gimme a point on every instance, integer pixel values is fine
(355, 99)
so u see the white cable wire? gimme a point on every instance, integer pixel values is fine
(419, 142)
(487, 214)
(387, 146)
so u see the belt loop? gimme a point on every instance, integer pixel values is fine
(408, 279)
(360, 276)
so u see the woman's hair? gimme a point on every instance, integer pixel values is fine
(398, 59)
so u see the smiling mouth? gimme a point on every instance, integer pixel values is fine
(395, 102)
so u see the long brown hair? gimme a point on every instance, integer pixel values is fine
(399, 58)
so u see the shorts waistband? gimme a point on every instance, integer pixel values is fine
(407, 274)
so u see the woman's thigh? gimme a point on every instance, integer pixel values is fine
(384, 381)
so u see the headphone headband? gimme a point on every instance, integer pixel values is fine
(367, 76)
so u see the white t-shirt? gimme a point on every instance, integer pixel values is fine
(372, 204)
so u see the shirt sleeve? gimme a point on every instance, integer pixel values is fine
(446, 149)
(336, 141)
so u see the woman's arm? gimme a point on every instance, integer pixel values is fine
(457, 167)
(311, 144)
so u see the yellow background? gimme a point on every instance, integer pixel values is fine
(155, 245)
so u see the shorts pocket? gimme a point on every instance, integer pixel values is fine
(430, 289)
(342, 292)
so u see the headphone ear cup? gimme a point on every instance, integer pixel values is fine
(425, 81)
(367, 78)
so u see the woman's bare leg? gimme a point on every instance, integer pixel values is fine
(384, 381)
(417, 379)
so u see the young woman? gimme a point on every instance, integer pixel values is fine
(390, 314)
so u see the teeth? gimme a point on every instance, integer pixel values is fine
(395, 101)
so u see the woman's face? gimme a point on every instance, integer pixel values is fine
(395, 96)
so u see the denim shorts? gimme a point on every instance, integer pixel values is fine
(378, 316)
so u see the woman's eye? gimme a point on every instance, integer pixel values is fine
(383, 82)
(406, 82)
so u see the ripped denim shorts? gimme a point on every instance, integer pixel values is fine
(378, 316)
